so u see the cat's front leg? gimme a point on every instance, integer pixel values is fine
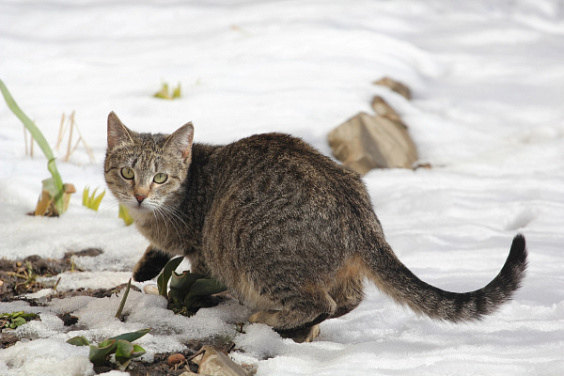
(197, 262)
(150, 265)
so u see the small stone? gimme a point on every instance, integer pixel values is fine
(151, 289)
(175, 359)
(396, 86)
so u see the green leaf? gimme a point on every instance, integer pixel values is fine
(98, 354)
(177, 93)
(124, 214)
(107, 342)
(50, 186)
(19, 321)
(137, 351)
(163, 93)
(85, 194)
(15, 319)
(43, 144)
(201, 287)
(184, 280)
(95, 203)
(132, 336)
(162, 280)
(27, 316)
(124, 350)
(91, 197)
(90, 200)
(78, 341)
(205, 287)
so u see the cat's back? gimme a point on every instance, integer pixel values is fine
(274, 180)
(278, 153)
(282, 208)
(277, 163)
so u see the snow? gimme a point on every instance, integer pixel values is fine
(488, 86)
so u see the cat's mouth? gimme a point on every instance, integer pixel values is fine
(144, 206)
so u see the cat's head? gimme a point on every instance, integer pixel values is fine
(144, 170)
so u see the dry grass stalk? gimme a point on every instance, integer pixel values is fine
(71, 148)
(84, 143)
(28, 149)
(25, 141)
(61, 132)
(70, 137)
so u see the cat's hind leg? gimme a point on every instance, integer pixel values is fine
(347, 288)
(300, 315)
(347, 294)
(150, 264)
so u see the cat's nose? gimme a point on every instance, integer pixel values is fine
(140, 198)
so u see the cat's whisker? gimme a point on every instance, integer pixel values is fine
(174, 218)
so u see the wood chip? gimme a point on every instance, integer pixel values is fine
(216, 363)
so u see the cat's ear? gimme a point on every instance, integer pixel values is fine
(181, 140)
(117, 132)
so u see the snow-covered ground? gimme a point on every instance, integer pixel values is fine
(487, 113)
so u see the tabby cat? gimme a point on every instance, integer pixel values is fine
(291, 233)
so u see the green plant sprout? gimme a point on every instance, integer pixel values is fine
(27, 276)
(186, 289)
(165, 93)
(54, 186)
(124, 214)
(123, 300)
(91, 201)
(120, 346)
(164, 277)
(15, 319)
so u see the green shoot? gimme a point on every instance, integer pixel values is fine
(186, 289)
(91, 201)
(162, 280)
(57, 182)
(120, 345)
(15, 319)
(165, 93)
(28, 278)
(123, 299)
(177, 92)
(124, 214)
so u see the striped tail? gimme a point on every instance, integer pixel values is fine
(395, 279)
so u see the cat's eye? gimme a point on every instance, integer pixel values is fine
(127, 173)
(160, 178)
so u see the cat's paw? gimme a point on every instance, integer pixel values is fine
(264, 317)
(144, 274)
(150, 265)
(303, 334)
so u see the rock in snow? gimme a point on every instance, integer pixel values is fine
(368, 141)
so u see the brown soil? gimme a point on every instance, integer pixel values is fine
(20, 277)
